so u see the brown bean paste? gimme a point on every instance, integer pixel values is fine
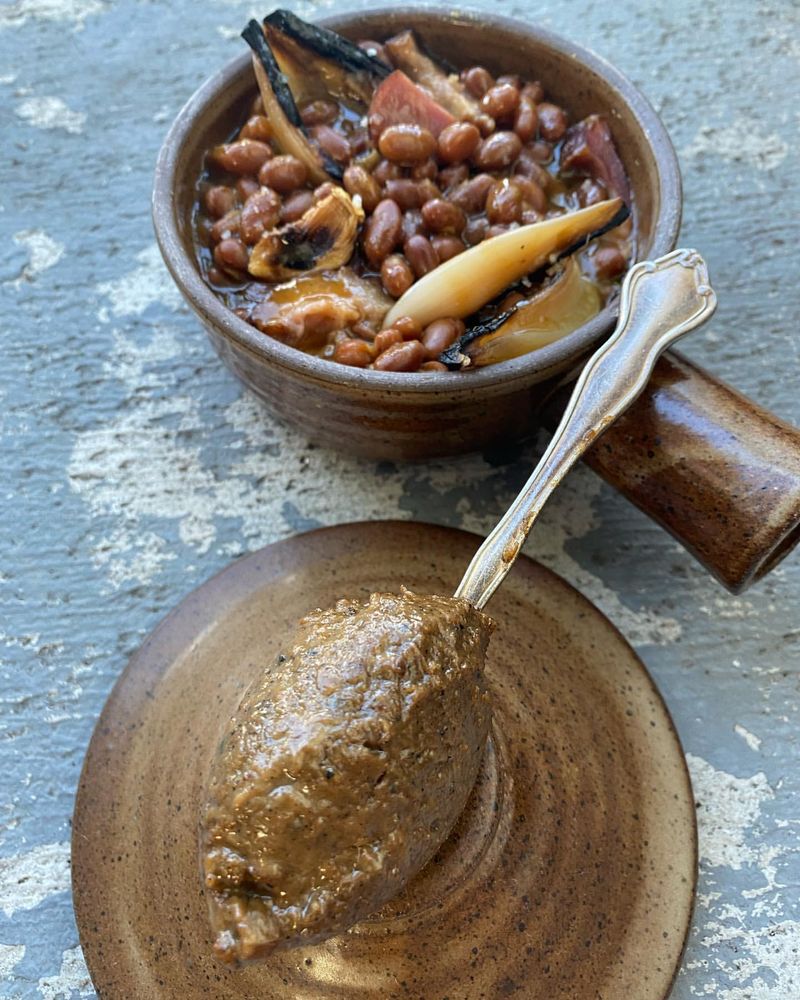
(344, 770)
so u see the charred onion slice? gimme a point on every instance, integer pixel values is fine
(462, 285)
(327, 43)
(280, 108)
(322, 239)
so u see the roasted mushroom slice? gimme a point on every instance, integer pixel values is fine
(462, 285)
(321, 239)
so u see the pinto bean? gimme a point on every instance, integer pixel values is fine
(528, 166)
(590, 192)
(500, 101)
(283, 174)
(323, 190)
(386, 170)
(534, 91)
(260, 213)
(412, 224)
(231, 255)
(375, 49)
(552, 122)
(245, 156)
(319, 112)
(407, 144)
(332, 142)
(409, 327)
(447, 247)
(512, 79)
(405, 357)
(219, 200)
(425, 171)
(352, 352)
(533, 195)
(440, 334)
(458, 142)
(225, 227)
(256, 127)
(357, 181)
(541, 151)
(432, 366)
(404, 191)
(609, 262)
(296, 206)
(420, 255)
(441, 216)
(382, 232)
(247, 186)
(477, 80)
(452, 176)
(396, 275)
(475, 231)
(498, 151)
(471, 195)
(526, 119)
(386, 338)
(504, 202)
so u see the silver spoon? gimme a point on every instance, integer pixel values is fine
(348, 763)
(660, 301)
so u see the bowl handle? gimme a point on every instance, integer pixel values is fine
(716, 470)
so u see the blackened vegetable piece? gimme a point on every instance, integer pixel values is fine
(327, 43)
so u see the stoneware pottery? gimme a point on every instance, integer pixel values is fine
(725, 479)
(570, 874)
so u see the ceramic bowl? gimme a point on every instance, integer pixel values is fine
(397, 415)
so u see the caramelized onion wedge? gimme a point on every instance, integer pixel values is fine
(464, 284)
(567, 303)
(278, 106)
(321, 239)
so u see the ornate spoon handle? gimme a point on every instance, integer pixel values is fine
(661, 300)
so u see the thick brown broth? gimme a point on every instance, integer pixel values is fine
(425, 200)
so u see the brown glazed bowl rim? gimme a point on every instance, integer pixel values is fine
(553, 357)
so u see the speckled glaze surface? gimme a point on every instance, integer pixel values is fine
(388, 415)
(570, 874)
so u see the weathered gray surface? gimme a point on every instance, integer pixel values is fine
(135, 467)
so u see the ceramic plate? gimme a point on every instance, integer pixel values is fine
(570, 874)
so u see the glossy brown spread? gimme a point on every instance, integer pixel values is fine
(344, 770)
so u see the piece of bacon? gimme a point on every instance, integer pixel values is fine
(399, 101)
(589, 149)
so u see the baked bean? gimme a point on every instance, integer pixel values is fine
(355, 353)
(533, 195)
(504, 202)
(425, 171)
(511, 301)
(385, 171)
(500, 102)
(242, 157)
(407, 193)
(296, 206)
(534, 91)
(227, 226)
(526, 120)
(486, 124)
(409, 327)
(528, 166)
(432, 366)
(406, 357)
(375, 49)
(247, 186)
(552, 121)
(439, 335)
(256, 127)
(283, 174)
(364, 329)
(359, 141)
(477, 80)
(451, 176)
(511, 79)
(319, 113)
(471, 195)
(331, 142)
(382, 232)
(609, 263)
(498, 151)
(324, 189)
(447, 247)
(217, 277)
(442, 216)
(412, 224)
(458, 142)
(386, 338)
(219, 200)
(231, 254)
(420, 255)
(475, 231)
(406, 144)
(541, 151)
(590, 192)
(396, 276)
(260, 214)
(357, 181)
(498, 229)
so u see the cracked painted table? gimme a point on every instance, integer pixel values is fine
(135, 466)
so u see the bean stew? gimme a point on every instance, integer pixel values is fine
(380, 211)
